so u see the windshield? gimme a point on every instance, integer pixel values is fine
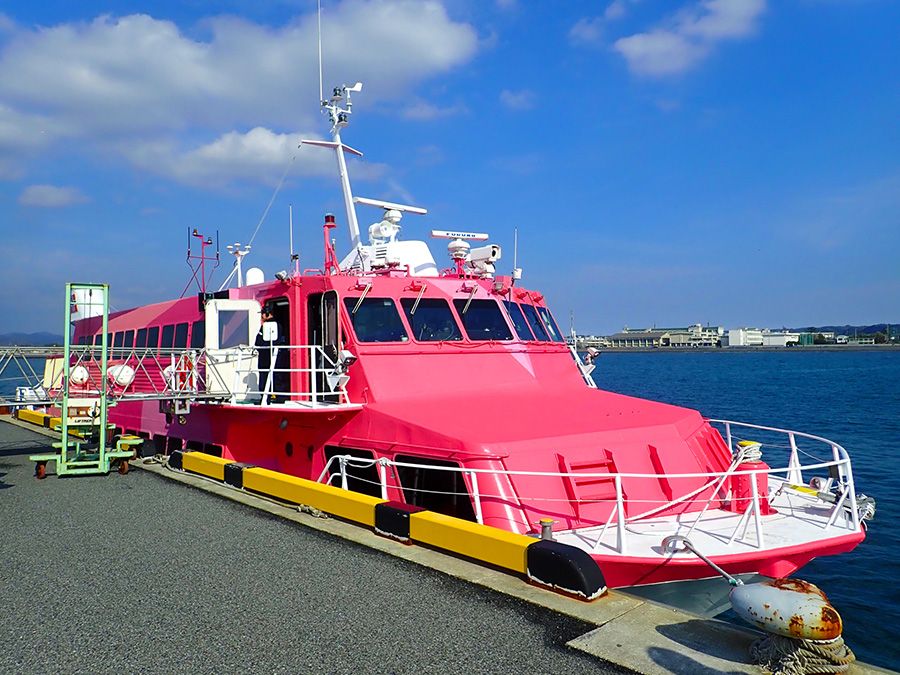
(537, 326)
(376, 320)
(431, 320)
(519, 322)
(552, 328)
(482, 320)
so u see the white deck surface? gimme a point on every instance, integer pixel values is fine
(801, 519)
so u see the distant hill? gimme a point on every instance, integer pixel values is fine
(31, 339)
(850, 330)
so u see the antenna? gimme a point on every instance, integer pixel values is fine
(515, 247)
(291, 228)
(390, 206)
(319, 35)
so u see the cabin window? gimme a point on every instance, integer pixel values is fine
(432, 320)
(117, 340)
(98, 339)
(128, 343)
(181, 331)
(153, 337)
(140, 342)
(234, 327)
(198, 335)
(518, 320)
(168, 337)
(435, 489)
(536, 324)
(80, 341)
(482, 319)
(376, 320)
(109, 340)
(362, 478)
(552, 328)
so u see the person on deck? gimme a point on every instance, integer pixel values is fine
(280, 378)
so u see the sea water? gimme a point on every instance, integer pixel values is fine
(849, 397)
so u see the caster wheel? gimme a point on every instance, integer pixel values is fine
(123, 467)
(40, 471)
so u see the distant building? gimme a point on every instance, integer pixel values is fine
(841, 339)
(861, 340)
(780, 339)
(640, 338)
(696, 335)
(745, 337)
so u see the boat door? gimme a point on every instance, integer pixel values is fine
(231, 328)
(324, 332)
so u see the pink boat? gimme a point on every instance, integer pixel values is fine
(454, 389)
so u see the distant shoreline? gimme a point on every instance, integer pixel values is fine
(804, 349)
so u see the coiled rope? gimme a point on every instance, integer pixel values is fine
(789, 656)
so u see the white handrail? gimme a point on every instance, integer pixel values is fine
(784, 475)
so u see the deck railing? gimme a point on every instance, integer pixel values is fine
(200, 375)
(835, 494)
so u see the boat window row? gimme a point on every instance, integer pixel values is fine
(432, 320)
(153, 338)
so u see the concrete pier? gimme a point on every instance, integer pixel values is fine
(137, 572)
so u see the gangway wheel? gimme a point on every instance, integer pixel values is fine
(40, 470)
(123, 467)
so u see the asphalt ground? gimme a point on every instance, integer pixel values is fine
(137, 573)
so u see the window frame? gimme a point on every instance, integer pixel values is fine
(350, 303)
(410, 318)
(170, 329)
(539, 322)
(459, 303)
(511, 307)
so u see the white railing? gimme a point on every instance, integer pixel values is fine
(835, 496)
(320, 366)
(201, 375)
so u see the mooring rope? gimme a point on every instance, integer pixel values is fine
(789, 656)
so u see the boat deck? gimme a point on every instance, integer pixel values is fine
(801, 520)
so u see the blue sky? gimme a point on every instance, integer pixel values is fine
(735, 162)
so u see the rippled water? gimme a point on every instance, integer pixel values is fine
(852, 398)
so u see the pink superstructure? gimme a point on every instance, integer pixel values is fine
(456, 390)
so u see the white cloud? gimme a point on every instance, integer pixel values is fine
(259, 155)
(422, 110)
(518, 100)
(614, 10)
(587, 31)
(115, 81)
(689, 36)
(51, 196)
(723, 19)
(659, 52)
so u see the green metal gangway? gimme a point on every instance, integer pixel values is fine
(93, 452)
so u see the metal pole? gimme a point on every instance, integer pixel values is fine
(476, 496)
(352, 223)
(757, 518)
(382, 474)
(620, 514)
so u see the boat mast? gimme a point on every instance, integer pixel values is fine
(339, 116)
